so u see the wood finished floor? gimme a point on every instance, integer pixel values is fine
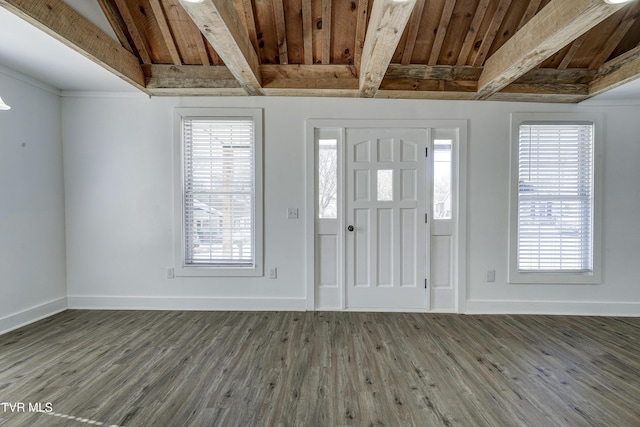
(322, 369)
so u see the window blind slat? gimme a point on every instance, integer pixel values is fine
(555, 198)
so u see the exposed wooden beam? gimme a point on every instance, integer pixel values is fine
(307, 31)
(441, 32)
(361, 29)
(189, 77)
(198, 91)
(551, 76)
(536, 96)
(555, 26)
(281, 32)
(491, 33)
(247, 8)
(627, 22)
(202, 49)
(138, 41)
(64, 24)
(412, 34)
(436, 72)
(532, 8)
(425, 94)
(158, 12)
(326, 32)
(616, 72)
(309, 76)
(312, 92)
(218, 21)
(537, 84)
(473, 30)
(575, 47)
(118, 26)
(386, 25)
(432, 86)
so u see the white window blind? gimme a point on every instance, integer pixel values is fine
(555, 198)
(219, 192)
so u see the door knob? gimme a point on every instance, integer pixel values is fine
(350, 228)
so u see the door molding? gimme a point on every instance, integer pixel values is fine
(460, 171)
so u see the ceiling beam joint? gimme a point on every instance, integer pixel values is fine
(218, 22)
(554, 27)
(386, 25)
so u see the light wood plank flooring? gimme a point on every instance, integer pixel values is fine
(135, 368)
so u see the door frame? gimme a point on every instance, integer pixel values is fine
(460, 172)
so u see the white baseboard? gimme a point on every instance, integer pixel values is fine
(31, 315)
(82, 302)
(631, 309)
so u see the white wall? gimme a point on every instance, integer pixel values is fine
(118, 184)
(32, 246)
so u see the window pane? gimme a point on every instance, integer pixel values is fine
(218, 192)
(442, 179)
(327, 178)
(555, 198)
(385, 185)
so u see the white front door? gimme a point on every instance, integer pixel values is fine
(386, 229)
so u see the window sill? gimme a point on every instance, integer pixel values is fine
(218, 272)
(540, 278)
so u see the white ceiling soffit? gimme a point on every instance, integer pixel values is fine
(33, 53)
(626, 92)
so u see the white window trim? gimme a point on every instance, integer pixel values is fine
(593, 277)
(179, 257)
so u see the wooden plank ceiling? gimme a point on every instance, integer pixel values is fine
(512, 50)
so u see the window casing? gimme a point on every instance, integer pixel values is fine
(554, 188)
(218, 192)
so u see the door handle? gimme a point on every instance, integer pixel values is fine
(350, 228)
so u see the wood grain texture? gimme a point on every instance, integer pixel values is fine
(478, 17)
(361, 30)
(323, 369)
(307, 31)
(138, 40)
(491, 32)
(555, 26)
(190, 44)
(326, 31)
(218, 21)
(506, 38)
(386, 25)
(616, 72)
(281, 31)
(158, 12)
(627, 22)
(412, 32)
(441, 32)
(110, 10)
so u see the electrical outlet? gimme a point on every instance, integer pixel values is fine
(490, 276)
(273, 273)
(292, 213)
(171, 274)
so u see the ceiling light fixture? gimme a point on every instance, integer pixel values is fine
(194, 1)
(4, 106)
(616, 1)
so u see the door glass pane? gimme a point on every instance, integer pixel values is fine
(385, 185)
(327, 178)
(442, 179)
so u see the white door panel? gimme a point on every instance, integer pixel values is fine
(386, 194)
